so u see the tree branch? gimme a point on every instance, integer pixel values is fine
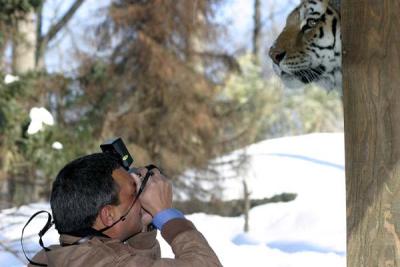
(55, 28)
(230, 208)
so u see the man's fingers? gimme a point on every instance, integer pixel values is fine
(137, 180)
(142, 171)
(146, 217)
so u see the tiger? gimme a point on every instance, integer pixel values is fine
(309, 48)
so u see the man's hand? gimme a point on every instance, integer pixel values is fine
(146, 218)
(157, 194)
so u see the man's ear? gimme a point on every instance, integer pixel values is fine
(107, 215)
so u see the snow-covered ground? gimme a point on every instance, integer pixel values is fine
(309, 231)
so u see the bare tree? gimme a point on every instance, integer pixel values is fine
(256, 51)
(28, 43)
(55, 28)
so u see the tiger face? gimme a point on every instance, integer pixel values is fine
(309, 47)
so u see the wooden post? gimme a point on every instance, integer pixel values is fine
(371, 79)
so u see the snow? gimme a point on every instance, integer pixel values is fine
(57, 145)
(39, 117)
(10, 79)
(309, 231)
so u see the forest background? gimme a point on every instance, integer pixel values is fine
(182, 82)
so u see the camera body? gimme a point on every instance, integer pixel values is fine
(117, 148)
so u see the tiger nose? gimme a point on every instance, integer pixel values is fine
(276, 55)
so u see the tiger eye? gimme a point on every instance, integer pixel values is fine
(311, 22)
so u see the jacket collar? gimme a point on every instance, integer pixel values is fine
(80, 236)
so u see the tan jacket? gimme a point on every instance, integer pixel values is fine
(142, 250)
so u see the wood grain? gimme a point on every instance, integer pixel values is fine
(371, 85)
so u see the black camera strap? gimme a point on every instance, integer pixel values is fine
(47, 226)
(142, 186)
(50, 222)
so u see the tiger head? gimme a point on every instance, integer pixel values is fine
(309, 47)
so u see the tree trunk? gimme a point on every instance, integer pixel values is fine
(246, 206)
(24, 44)
(371, 66)
(257, 30)
(40, 46)
(29, 45)
(54, 29)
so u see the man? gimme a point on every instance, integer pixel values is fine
(103, 221)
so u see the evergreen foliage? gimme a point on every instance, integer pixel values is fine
(12, 9)
(273, 111)
(28, 162)
(158, 98)
(10, 12)
(160, 85)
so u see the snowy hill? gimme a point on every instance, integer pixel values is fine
(309, 231)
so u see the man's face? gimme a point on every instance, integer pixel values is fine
(127, 193)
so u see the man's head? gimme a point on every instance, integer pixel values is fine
(95, 191)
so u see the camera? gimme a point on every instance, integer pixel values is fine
(117, 148)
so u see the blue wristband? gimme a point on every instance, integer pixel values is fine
(166, 215)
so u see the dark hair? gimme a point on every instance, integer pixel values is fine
(81, 189)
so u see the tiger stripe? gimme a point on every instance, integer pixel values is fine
(309, 47)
